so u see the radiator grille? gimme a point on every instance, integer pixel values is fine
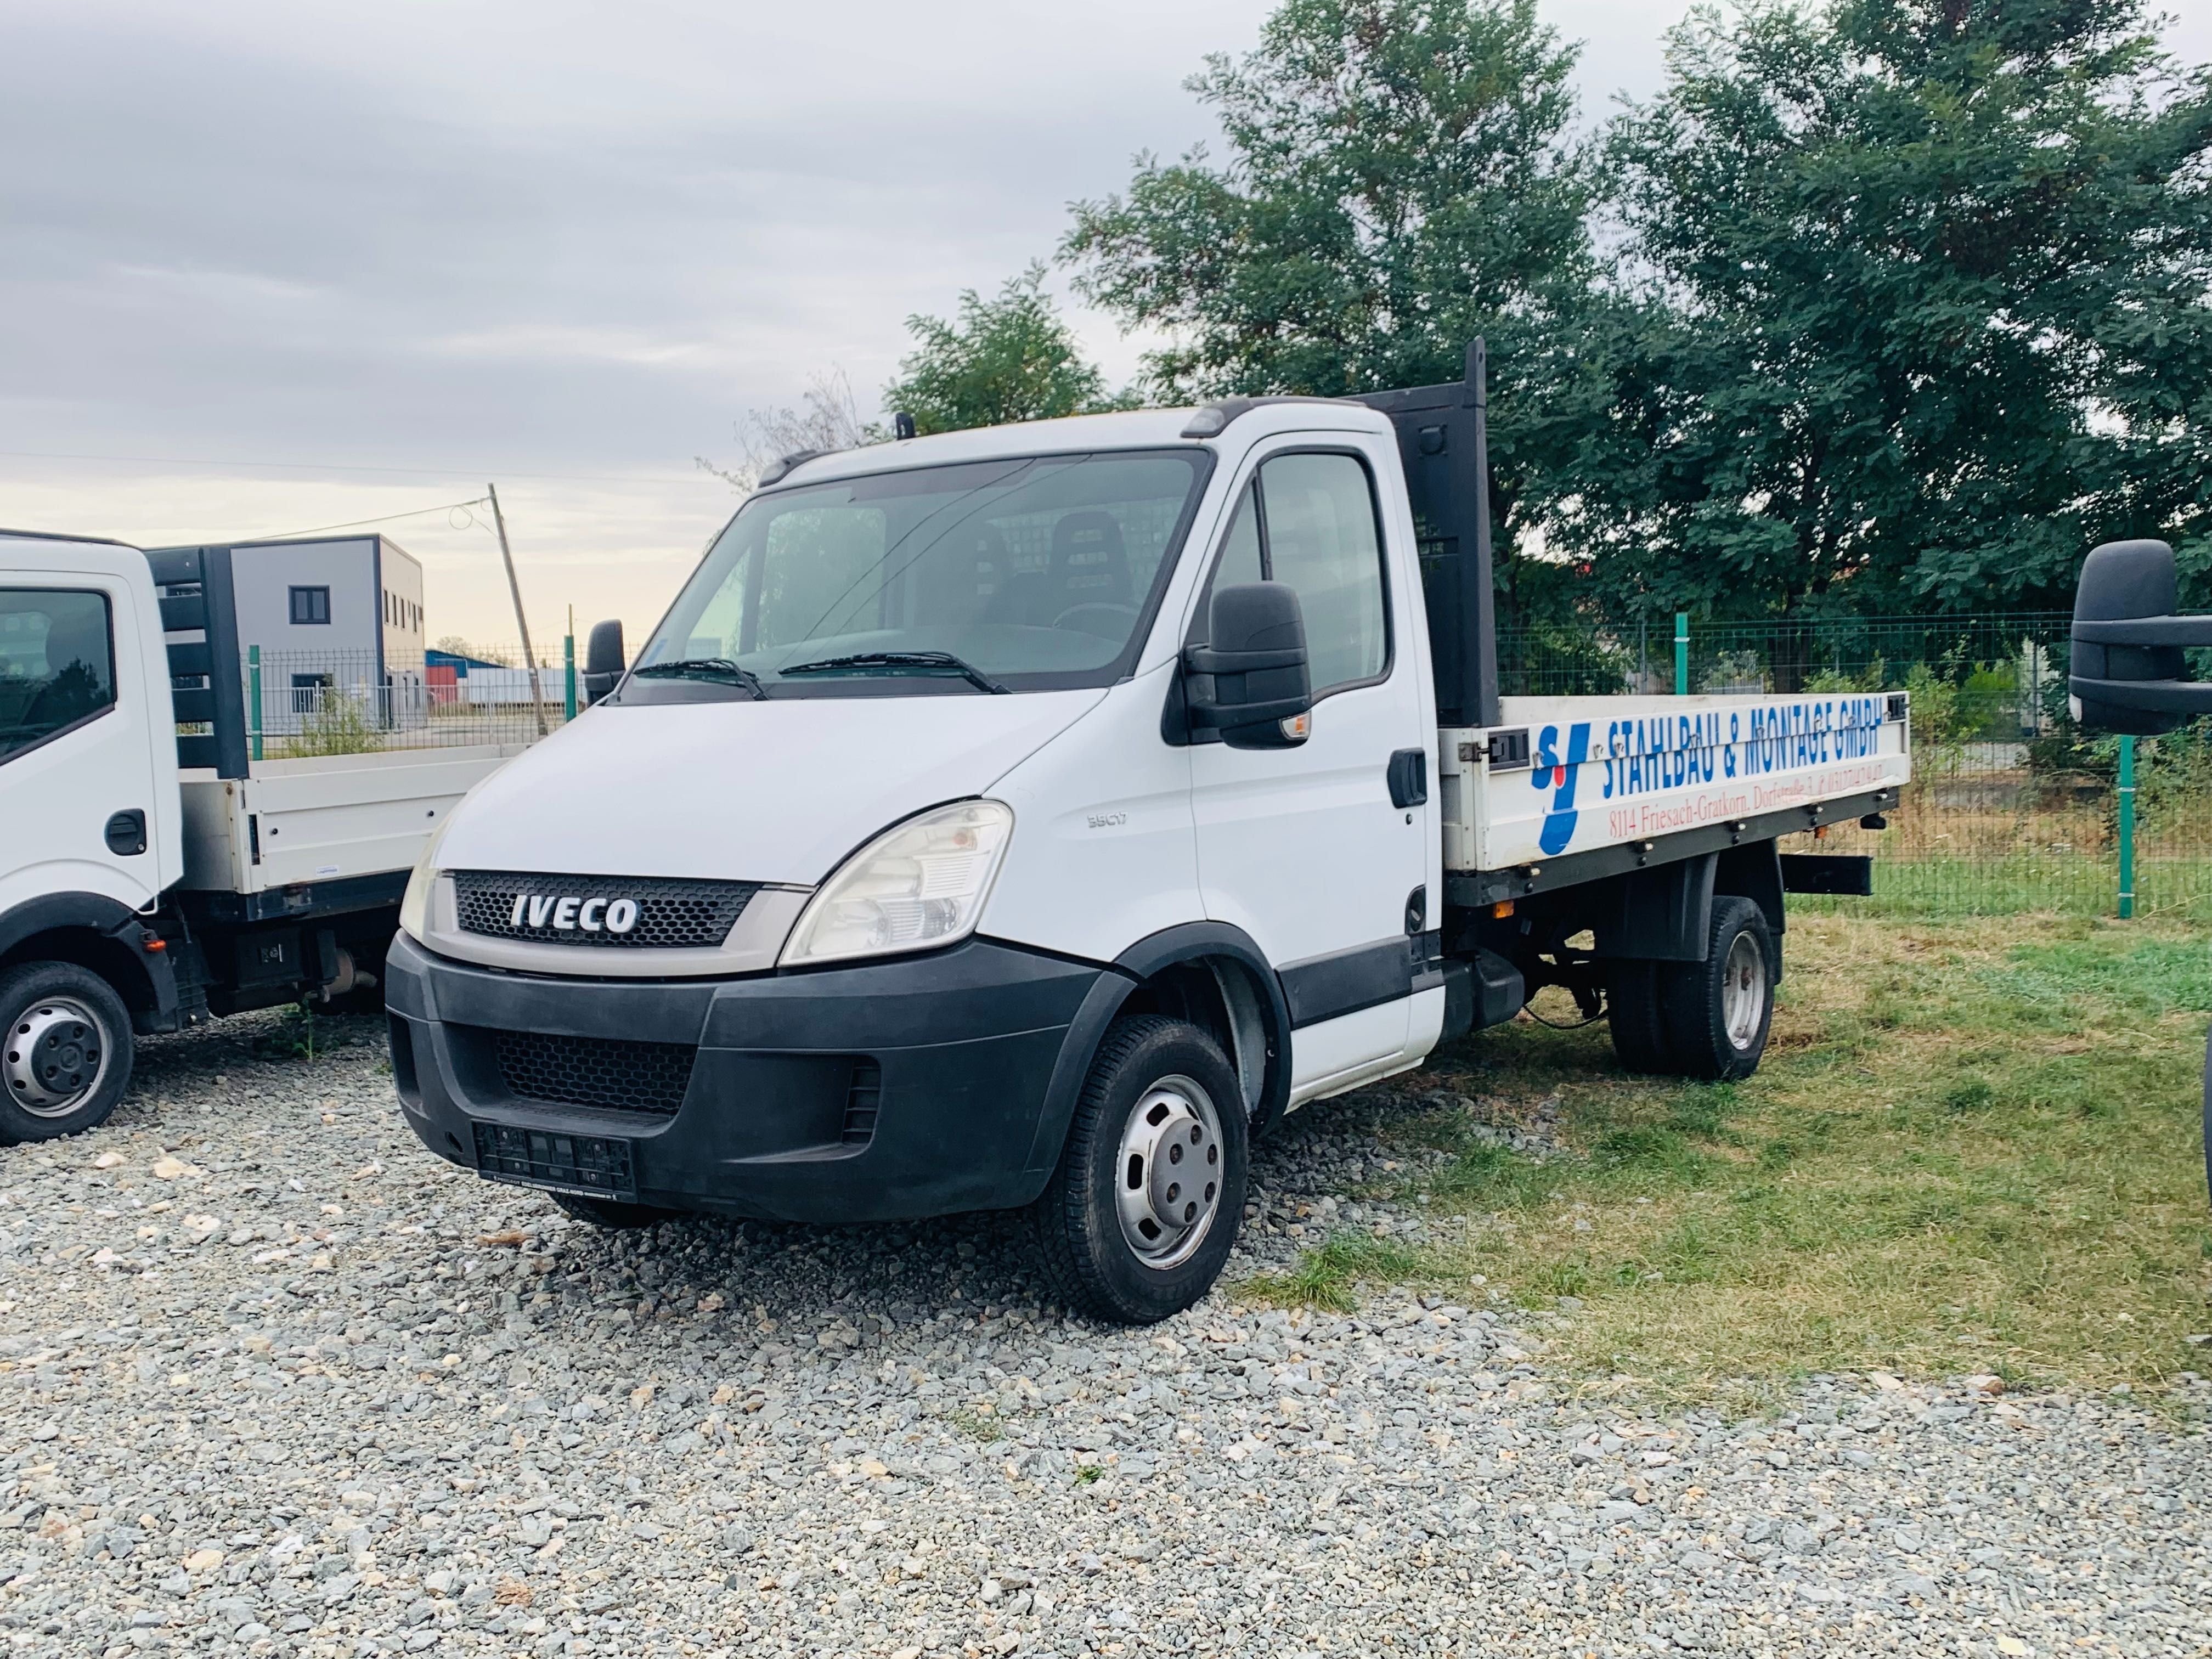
(672, 914)
(608, 1072)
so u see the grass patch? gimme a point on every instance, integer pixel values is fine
(294, 1037)
(1325, 1276)
(974, 1425)
(1974, 1145)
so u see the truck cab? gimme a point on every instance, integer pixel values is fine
(90, 820)
(1024, 818)
(160, 863)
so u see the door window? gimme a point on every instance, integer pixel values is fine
(57, 664)
(1308, 521)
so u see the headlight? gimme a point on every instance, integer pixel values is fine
(920, 884)
(414, 904)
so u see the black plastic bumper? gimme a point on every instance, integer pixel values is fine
(883, 1091)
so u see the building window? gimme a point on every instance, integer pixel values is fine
(310, 605)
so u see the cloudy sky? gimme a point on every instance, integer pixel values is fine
(270, 266)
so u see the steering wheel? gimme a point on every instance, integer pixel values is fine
(1083, 618)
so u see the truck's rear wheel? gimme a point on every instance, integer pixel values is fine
(1633, 1013)
(65, 1051)
(1140, 1217)
(1719, 1010)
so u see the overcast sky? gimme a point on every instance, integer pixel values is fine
(269, 266)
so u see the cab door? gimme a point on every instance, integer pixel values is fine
(1306, 848)
(77, 770)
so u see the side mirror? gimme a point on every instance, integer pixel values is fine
(1257, 660)
(2128, 674)
(604, 661)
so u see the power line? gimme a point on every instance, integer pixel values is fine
(344, 466)
(381, 518)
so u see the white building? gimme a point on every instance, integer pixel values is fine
(332, 617)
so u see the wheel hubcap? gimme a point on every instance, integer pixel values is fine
(53, 1058)
(1743, 990)
(1167, 1181)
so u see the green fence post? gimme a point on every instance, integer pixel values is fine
(253, 691)
(568, 666)
(1681, 653)
(2127, 828)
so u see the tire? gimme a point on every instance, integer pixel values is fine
(611, 1214)
(1718, 1012)
(1159, 1088)
(65, 1051)
(1637, 1023)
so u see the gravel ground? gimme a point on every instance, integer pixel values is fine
(273, 1380)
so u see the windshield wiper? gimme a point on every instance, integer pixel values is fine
(720, 669)
(942, 661)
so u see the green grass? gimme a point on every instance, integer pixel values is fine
(1974, 1145)
(293, 1036)
(1325, 1276)
(338, 724)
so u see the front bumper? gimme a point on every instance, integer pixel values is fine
(881, 1092)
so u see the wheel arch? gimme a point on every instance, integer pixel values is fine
(1216, 976)
(1211, 974)
(79, 928)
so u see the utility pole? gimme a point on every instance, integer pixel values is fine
(529, 657)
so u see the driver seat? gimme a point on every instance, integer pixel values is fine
(1090, 565)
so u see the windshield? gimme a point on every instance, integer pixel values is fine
(1028, 573)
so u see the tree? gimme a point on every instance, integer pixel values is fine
(1926, 310)
(828, 418)
(1399, 177)
(1013, 358)
(455, 644)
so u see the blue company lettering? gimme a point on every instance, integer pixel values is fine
(1651, 752)
(1558, 775)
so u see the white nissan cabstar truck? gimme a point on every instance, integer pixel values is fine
(1029, 817)
(154, 871)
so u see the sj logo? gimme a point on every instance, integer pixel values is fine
(1557, 775)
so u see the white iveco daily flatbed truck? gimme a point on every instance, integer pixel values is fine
(1029, 817)
(153, 872)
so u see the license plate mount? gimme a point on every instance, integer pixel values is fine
(588, 1166)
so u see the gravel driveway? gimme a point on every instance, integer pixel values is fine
(273, 1380)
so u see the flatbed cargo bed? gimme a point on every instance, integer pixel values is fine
(1562, 779)
(334, 817)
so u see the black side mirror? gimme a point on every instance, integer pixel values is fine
(604, 661)
(1256, 661)
(2128, 673)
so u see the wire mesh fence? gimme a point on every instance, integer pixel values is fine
(306, 703)
(2010, 809)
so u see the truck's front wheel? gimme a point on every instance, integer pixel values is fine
(1140, 1217)
(65, 1051)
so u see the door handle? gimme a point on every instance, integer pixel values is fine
(1409, 777)
(126, 833)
